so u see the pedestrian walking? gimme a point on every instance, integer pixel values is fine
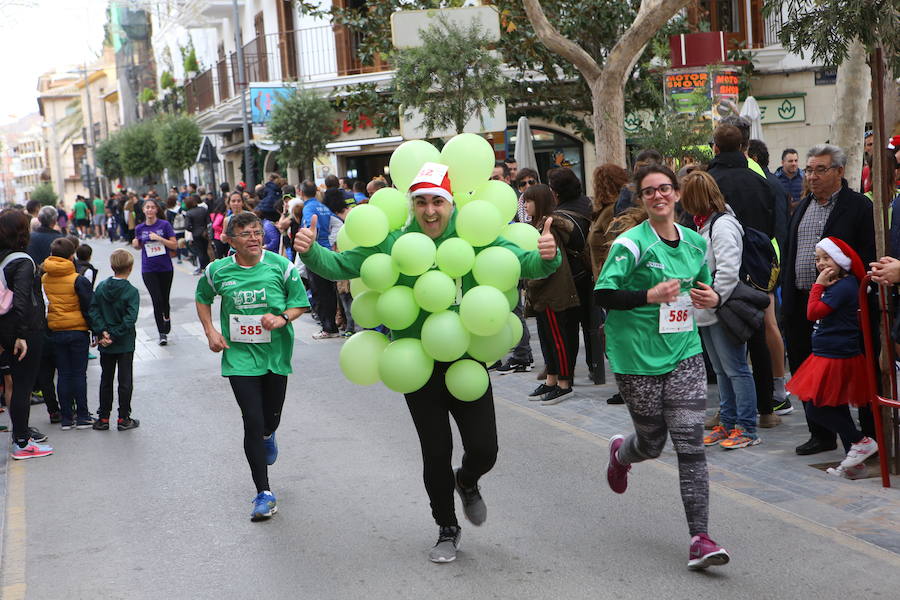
(155, 237)
(113, 314)
(432, 405)
(261, 293)
(654, 277)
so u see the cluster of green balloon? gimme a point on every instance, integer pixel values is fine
(483, 327)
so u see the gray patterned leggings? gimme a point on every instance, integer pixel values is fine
(673, 403)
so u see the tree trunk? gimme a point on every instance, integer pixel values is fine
(607, 84)
(851, 102)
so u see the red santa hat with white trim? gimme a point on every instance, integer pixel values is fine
(845, 257)
(434, 179)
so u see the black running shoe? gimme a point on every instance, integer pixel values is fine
(101, 424)
(540, 390)
(129, 423)
(514, 366)
(473, 504)
(36, 436)
(444, 550)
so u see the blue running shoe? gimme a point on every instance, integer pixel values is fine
(263, 506)
(271, 449)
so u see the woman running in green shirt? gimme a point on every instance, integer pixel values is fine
(654, 277)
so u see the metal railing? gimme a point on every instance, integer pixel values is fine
(771, 29)
(302, 55)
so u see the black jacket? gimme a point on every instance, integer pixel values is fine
(197, 220)
(782, 208)
(748, 194)
(850, 220)
(39, 244)
(27, 312)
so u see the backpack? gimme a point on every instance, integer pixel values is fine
(178, 221)
(6, 294)
(579, 258)
(759, 261)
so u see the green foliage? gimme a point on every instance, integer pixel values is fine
(825, 28)
(365, 100)
(45, 194)
(450, 77)
(177, 142)
(137, 150)
(680, 135)
(189, 57)
(146, 95)
(166, 80)
(302, 124)
(106, 155)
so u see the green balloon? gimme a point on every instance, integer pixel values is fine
(379, 272)
(364, 309)
(498, 267)
(470, 159)
(483, 310)
(404, 367)
(501, 195)
(479, 223)
(395, 205)
(490, 348)
(397, 307)
(466, 380)
(455, 257)
(444, 337)
(434, 291)
(359, 357)
(409, 157)
(515, 329)
(413, 253)
(344, 242)
(357, 287)
(512, 296)
(366, 225)
(522, 235)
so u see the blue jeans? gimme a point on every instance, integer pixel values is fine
(70, 349)
(737, 393)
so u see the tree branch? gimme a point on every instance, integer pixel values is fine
(561, 45)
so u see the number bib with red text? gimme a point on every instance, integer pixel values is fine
(677, 316)
(248, 329)
(154, 248)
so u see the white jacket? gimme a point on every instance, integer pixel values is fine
(723, 257)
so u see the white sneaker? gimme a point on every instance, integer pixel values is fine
(859, 452)
(858, 472)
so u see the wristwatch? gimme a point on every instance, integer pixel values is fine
(286, 318)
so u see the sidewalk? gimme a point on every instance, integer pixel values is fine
(770, 472)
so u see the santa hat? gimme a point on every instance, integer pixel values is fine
(894, 144)
(845, 257)
(425, 182)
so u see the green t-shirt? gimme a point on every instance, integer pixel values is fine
(271, 286)
(98, 206)
(638, 260)
(80, 210)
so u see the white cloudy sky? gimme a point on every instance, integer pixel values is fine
(39, 35)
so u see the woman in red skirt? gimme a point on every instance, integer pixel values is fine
(834, 375)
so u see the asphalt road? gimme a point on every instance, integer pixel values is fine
(163, 511)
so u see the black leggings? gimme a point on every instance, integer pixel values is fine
(24, 374)
(836, 419)
(325, 292)
(159, 286)
(762, 370)
(261, 398)
(124, 361)
(431, 407)
(200, 246)
(558, 333)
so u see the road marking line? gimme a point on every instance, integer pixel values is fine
(15, 544)
(777, 512)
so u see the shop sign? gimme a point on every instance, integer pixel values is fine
(638, 120)
(688, 91)
(784, 109)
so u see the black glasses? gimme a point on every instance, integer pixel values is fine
(665, 189)
(246, 235)
(818, 170)
(527, 182)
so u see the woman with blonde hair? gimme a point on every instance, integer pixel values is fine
(702, 198)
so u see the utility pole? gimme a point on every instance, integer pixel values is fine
(249, 167)
(91, 145)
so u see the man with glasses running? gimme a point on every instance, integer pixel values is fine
(261, 294)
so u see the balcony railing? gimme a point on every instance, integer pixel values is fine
(303, 55)
(772, 28)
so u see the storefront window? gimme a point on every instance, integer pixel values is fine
(551, 149)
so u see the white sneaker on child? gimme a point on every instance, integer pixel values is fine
(859, 452)
(857, 472)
